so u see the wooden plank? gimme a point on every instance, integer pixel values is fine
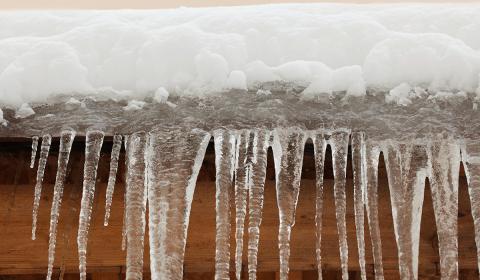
(20, 255)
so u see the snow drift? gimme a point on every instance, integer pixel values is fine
(322, 47)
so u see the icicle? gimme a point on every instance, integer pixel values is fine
(339, 143)
(288, 146)
(124, 224)
(359, 182)
(34, 151)
(93, 145)
(445, 167)
(66, 140)
(136, 200)
(42, 162)
(319, 146)
(224, 166)
(407, 168)
(174, 158)
(471, 160)
(242, 178)
(371, 200)
(256, 185)
(112, 176)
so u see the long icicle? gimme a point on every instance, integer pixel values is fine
(471, 161)
(371, 199)
(445, 167)
(407, 166)
(256, 185)
(34, 151)
(66, 140)
(93, 146)
(124, 224)
(319, 145)
(288, 147)
(136, 201)
(339, 143)
(359, 182)
(243, 170)
(42, 163)
(112, 175)
(174, 159)
(224, 166)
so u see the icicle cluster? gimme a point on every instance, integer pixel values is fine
(162, 168)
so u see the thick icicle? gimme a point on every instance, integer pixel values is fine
(34, 151)
(174, 158)
(135, 204)
(112, 176)
(371, 200)
(256, 185)
(93, 145)
(42, 162)
(242, 178)
(445, 166)
(288, 146)
(319, 145)
(66, 140)
(339, 143)
(224, 166)
(407, 166)
(359, 182)
(471, 160)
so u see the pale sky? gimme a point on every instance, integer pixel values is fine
(152, 4)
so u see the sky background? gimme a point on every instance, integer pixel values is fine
(153, 4)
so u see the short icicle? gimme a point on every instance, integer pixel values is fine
(42, 163)
(471, 161)
(256, 185)
(407, 166)
(319, 145)
(339, 144)
(242, 179)
(224, 166)
(371, 202)
(135, 204)
(174, 158)
(34, 151)
(66, 140)
(288, 146)
(445, 167)
(359, 182)
(93, 146)
(112, 175)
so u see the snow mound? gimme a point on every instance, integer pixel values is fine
(324, 47)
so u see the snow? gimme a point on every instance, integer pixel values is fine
(24, 111)
(134, 105)
(161, 95)
(2, 120)
(197, 51)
